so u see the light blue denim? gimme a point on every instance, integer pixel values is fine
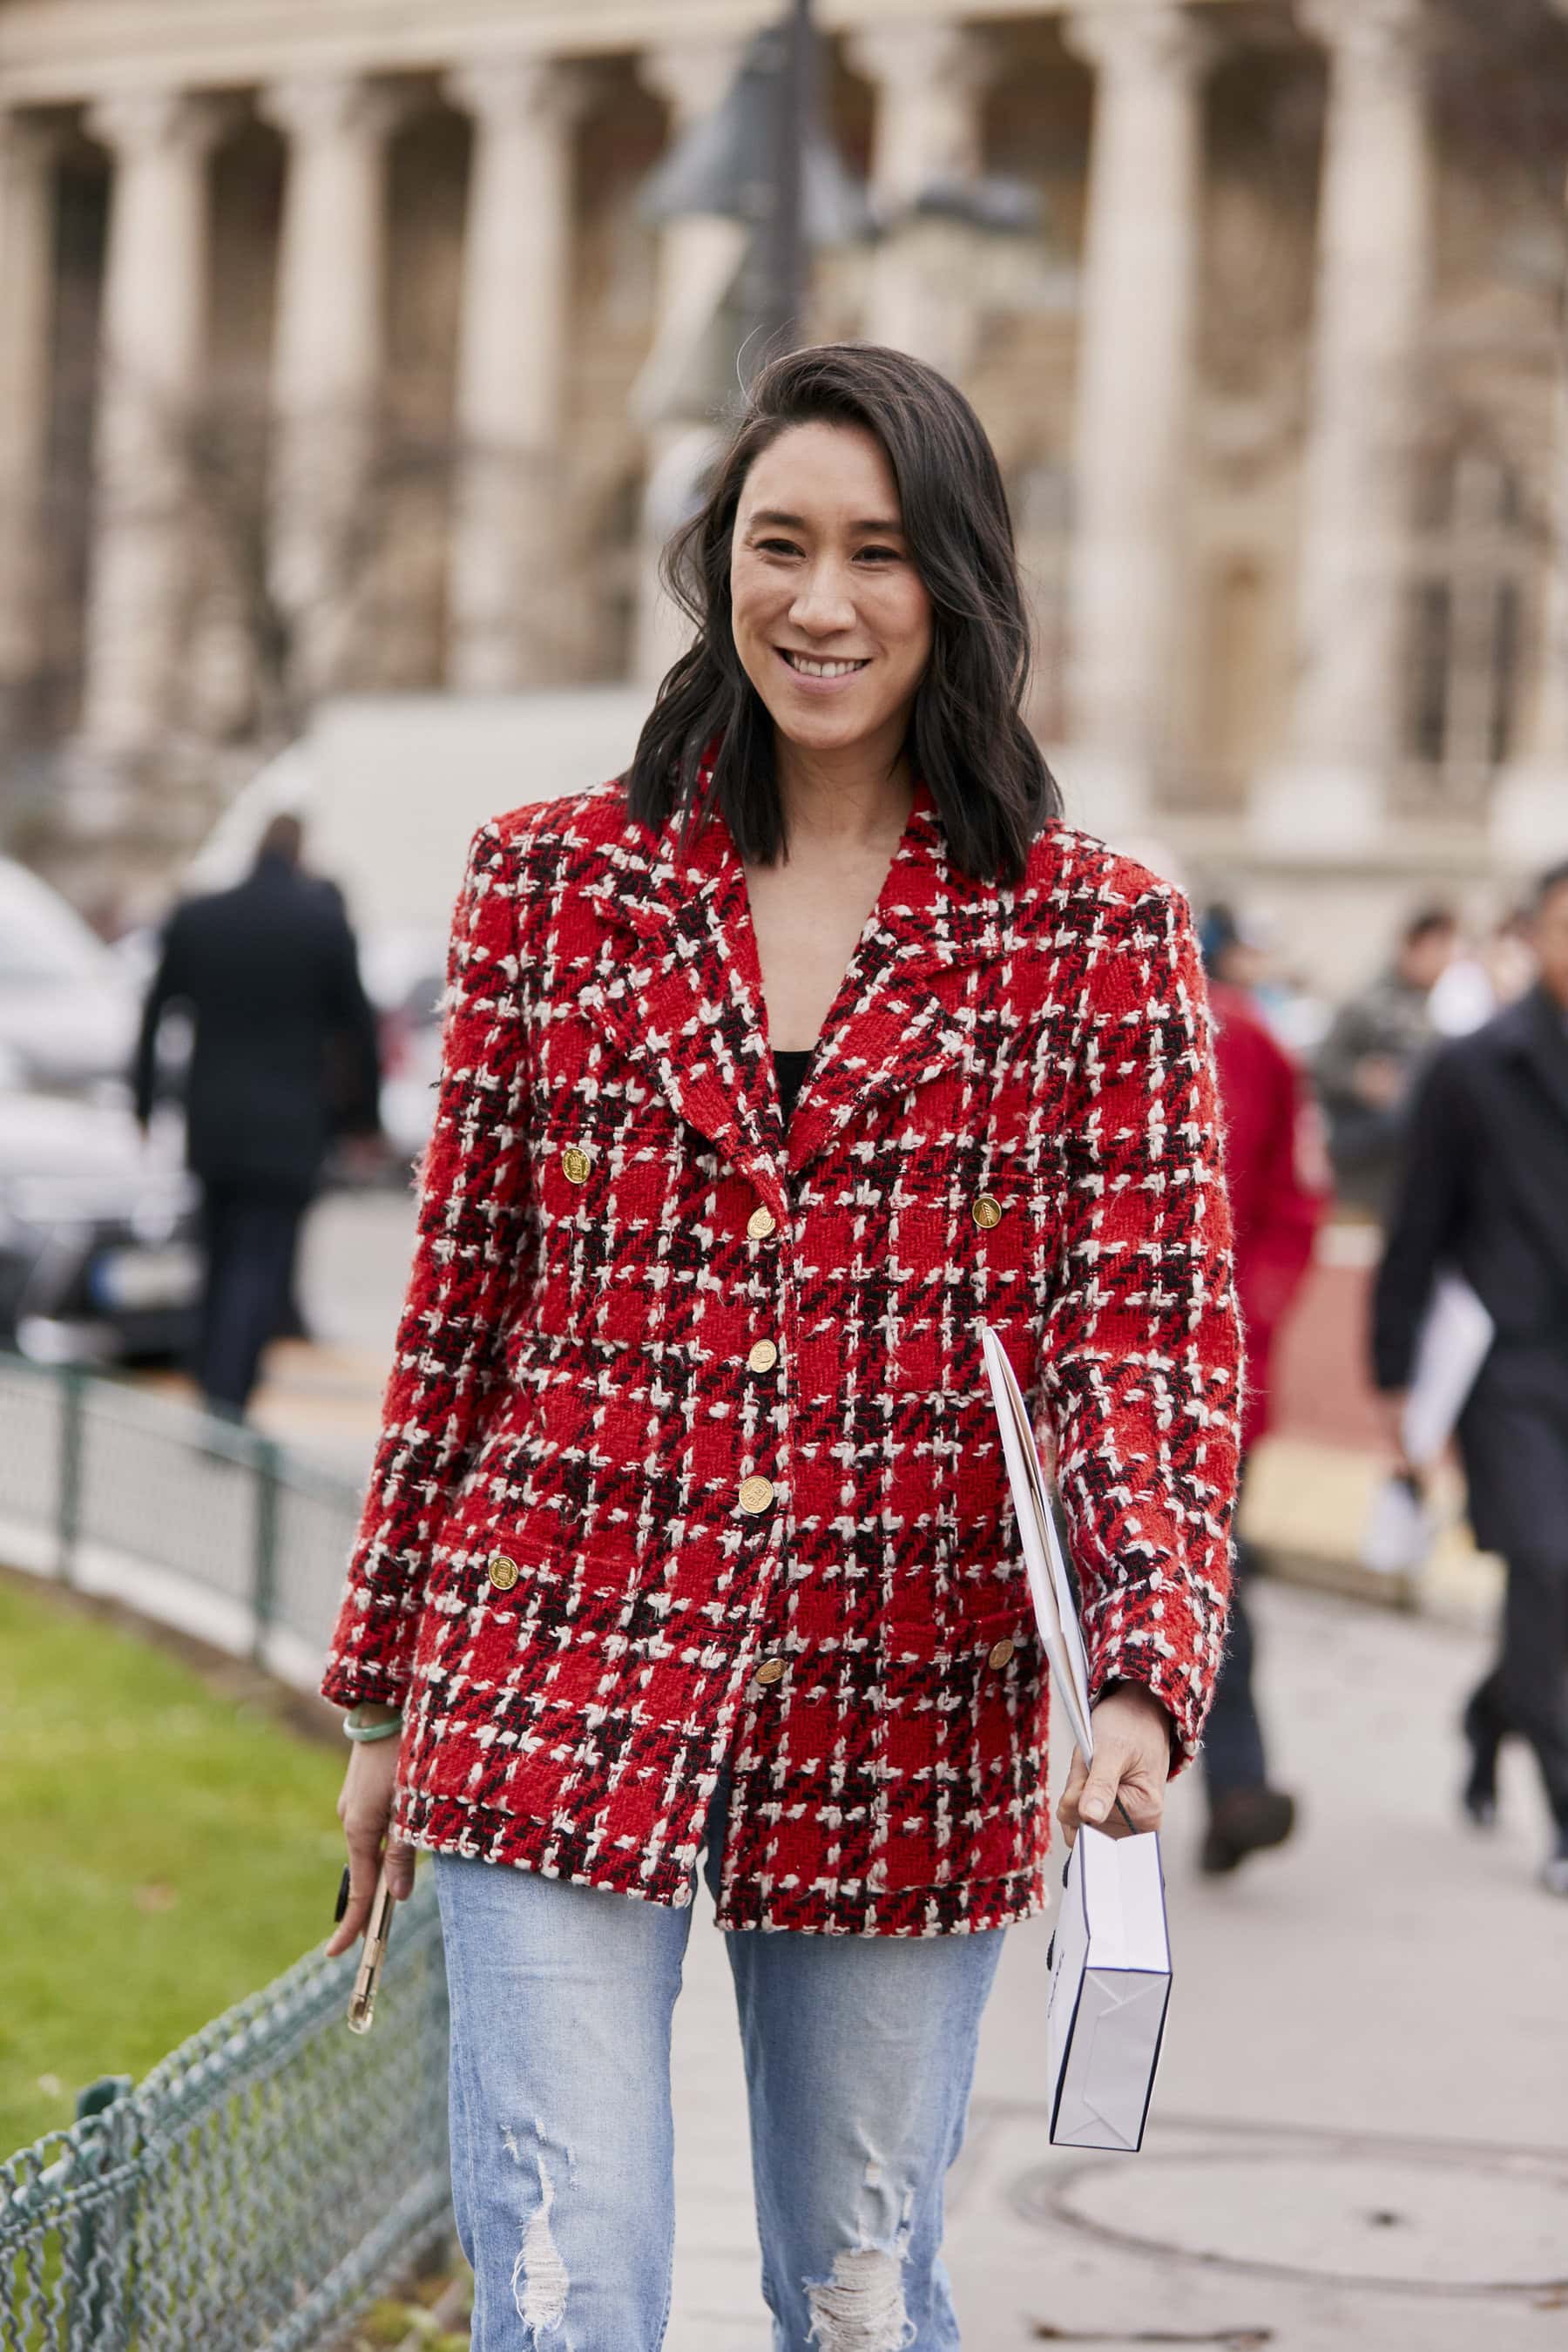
(859, 2053)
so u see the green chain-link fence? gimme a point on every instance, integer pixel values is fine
(277, 2171)
(256, 2187)
(202, 1525)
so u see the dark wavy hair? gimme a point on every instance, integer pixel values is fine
(967, 737)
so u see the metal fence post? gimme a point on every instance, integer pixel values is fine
(263, 1565)
(99, 2260)
(73, 1432)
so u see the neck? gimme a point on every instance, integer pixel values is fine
(843, 798)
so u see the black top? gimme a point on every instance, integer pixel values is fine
(791, 1069)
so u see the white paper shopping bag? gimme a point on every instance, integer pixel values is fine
(1110, 1987)
(1111, 1955)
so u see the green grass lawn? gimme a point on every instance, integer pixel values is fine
(164, 1849)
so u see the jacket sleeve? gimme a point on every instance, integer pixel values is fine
(449, 1356)
(1272, 1259)
(1425, 1223)
(1143, 1346)
(168, 986)
(353, 1040)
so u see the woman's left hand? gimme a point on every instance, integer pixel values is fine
(1131, 1760)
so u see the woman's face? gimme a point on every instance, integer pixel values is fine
(831, 620)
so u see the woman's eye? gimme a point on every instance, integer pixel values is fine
(880, 554)
(777, 547)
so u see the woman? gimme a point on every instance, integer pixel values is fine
(771, 1071)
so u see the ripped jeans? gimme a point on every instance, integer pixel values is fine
(859, 2052)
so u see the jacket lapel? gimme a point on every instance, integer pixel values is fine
(901, 1014)
(683, 994)
(685, 1000)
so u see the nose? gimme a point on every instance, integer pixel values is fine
(823, 605)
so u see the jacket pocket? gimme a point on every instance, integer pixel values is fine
(960, 1730)
(549, 1492)
(524, 1682)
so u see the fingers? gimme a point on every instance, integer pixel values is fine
(1122, 1793)
(1068, 1810)
(1097, 1806)
(364, 1809)
(1117, 1795)
(1135, 1808)
(364, 1834)
(399, 1866)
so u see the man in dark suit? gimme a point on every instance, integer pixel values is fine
(284, 1054)
(1486, 1193)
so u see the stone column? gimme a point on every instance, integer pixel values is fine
(26, 221)
(508, 598)
(1529, 800)
(326, 359)
(697, 260)
(1134, 373)
(1373, 272)
(930, 81)
(154, 292)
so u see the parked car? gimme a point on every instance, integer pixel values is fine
(68, 1008)
(404, 977)
(99, 1256)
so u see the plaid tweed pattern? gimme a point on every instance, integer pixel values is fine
(609, 1546)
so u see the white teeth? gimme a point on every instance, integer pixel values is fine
(809, 669)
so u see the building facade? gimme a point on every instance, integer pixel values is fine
(336, 350)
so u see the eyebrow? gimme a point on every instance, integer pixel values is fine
(774, 518)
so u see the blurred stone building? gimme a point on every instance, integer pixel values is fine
(338, 352)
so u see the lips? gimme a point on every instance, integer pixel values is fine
(815, 666)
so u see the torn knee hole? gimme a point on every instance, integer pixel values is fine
(861, 2307)
(539, 2279)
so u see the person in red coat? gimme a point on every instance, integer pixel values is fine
(1277, 1176)
(773, 1072)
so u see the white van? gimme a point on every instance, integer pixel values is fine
(391, 789)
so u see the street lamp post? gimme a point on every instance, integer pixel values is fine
(784, 257)
(762, 162)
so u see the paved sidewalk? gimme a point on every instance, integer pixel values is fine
(1359, 2136)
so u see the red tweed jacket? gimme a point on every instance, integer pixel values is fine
(688, 1460)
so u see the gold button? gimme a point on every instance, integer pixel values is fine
(756, 1493)
(760, 1223)
(771, 1670)
(503, 1572)
(1002, 1655)
(988, 1212)
(764, 1356)
(575, 1164)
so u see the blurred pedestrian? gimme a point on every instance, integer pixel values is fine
(1483, 978)
(1277, 1176)
(1486, 1193)
(1367, 1066)
(772, 1068)
(283, 1053)
(1248, 945)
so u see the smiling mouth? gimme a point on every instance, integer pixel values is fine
(809, 667)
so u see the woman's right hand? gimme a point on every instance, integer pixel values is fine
(364, 1809)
